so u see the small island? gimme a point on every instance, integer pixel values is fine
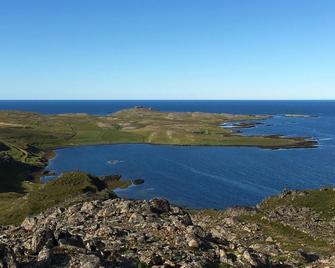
(297, 115)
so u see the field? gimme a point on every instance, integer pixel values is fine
(137, 125)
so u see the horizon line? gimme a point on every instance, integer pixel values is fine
(167, 99)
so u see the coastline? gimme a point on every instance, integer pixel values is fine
(49, 154)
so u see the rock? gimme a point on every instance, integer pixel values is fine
(65, 239)
(124, 207)
(119, 233)
(185, 219)
(193, 243)
(159, 205)
(138, 181)
(230, 221)
(156, 260)
(7, 257)
(42, 238)
(256, 260)
(223, 256)
(89, 261)
(269, 239)
(136, 218)
(44, 257)
(29, 223)
(250, 258)
(196, 231)
(226, 258)
(95, 245)
(87, 207)
(309, 257)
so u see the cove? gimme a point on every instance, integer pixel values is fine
(201, 177)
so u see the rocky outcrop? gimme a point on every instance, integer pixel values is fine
(127, 233)
(110, 233)
(116, 233)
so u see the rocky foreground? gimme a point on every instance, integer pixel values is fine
(127, 233)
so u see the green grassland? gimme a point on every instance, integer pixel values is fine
(67, 189)
(137, 125)
(26, 136)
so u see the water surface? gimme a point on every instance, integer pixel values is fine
(215, 176)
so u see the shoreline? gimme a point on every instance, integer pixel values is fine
(293, 146)
(49, 154)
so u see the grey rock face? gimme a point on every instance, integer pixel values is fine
(125, 234)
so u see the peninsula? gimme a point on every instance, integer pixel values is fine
(28, 138)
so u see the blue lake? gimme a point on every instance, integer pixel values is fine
(207, 176)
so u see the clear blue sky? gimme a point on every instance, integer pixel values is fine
(167, 49)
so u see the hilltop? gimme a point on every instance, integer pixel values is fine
(293, 229)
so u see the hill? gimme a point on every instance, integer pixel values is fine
(293, 229)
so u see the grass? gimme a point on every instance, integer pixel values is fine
(131, 126)
(321, 201)
(26, 136)
(37, 197)
(289, 238)
(12, 174)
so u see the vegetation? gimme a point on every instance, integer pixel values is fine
(37, 197)
(26, 137)
(289, 238)
(321, 201)
(133, 125)
(309, 227)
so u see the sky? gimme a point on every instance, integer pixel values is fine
(167, 49)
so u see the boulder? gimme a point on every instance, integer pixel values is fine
(42, 238)
(159, 206)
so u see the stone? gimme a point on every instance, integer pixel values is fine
(87, 207)
(44, 257)
(65, 239)
(118, 232)
(193, 243)
(269, 239)
(42, 238)
(159, 205)
(136, 218)
(7, 257)
(249, 258)
(156, 260)
(29, 223)
(89, 261)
